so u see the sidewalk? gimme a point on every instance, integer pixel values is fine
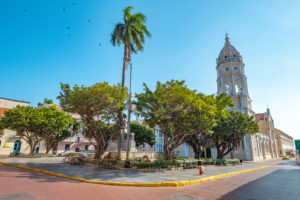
(54, 164)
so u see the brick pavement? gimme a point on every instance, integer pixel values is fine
(281, 181)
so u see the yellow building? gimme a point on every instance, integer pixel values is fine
(9, 140)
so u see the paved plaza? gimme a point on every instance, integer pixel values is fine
(55, 164)
(280, 181)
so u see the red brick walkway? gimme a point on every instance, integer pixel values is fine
(281, 181)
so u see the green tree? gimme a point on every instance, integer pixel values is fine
(142, 134)
(131, 33)
(46, 101)
(98, 106)
(200, 142)
(177, 111)
(62, 135)
(56, 125)
(230, 131)
(28, 122)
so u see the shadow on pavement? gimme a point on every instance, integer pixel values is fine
(283, 184)
(86, 172)
(23, 173)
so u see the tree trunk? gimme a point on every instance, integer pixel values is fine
(99, 151)
(168, 154)
(220, 154)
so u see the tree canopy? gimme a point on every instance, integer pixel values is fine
(177, 111)
(131, 33)
(98, 105)
(36, 124)
(142, 134)
(230, 131)
(57, 124)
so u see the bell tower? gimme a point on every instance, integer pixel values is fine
(232, 79)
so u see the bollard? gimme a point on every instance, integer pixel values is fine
(200, 167)
(200, 170)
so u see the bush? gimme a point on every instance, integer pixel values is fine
(234, 161)
(158, 163)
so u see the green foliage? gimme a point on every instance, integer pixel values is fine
(230, 131)
(34, 124)
(157, 164)
(177, 111)
(199, 142)
(161, 163)
(142, 134)
(131, 32)
(98, 105)
(27, 122)
(46, 101)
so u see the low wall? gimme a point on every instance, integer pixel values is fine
(132, 155)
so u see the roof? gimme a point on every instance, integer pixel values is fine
(259, 116)
(14, 100)
(283, 133)
(2, 111)
(228, 53)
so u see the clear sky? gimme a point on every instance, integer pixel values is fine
(44, 42)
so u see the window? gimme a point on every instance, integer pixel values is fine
(235, 68)
(238, 86)
(225, 56)
(77, 149)
(67, 147)
(234, 55)
(227, 69)
(77, 139)
(86, 147)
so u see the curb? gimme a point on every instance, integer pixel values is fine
(160, 184)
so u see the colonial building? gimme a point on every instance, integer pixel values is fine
(269, 142)
(285, 143)
(10, 141)
(233, 81)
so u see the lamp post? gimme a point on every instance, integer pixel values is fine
(131, 108)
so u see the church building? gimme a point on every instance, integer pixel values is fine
(231, 79)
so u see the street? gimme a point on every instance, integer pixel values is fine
(280, 181)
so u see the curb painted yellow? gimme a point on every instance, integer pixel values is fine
(160, 184)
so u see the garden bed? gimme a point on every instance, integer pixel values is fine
(142, 165)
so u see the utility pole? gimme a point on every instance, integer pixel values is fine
(127, 162)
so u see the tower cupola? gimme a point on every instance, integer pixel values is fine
(231, 77)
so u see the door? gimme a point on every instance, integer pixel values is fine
(17, 146)
(37, 150)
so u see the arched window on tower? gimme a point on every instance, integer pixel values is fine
(238, 86)
(228, 86)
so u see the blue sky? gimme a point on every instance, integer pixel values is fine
(38, 50)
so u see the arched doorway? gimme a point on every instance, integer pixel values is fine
(17, 146)
(37, 150)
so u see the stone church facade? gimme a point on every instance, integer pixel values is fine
(231, 79)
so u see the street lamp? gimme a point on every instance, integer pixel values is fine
(131, 108)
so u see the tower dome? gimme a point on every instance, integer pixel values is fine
(228, 53)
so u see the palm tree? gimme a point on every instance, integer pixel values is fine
(131, 33)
